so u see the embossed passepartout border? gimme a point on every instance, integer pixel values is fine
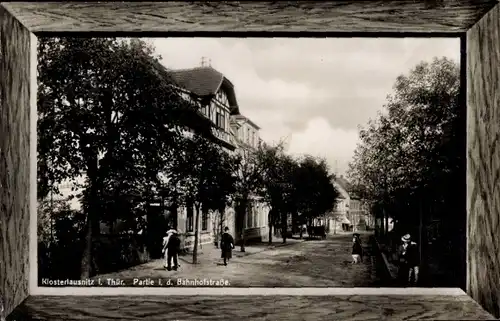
(476, 23)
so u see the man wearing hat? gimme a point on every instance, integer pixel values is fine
(171, 245)
(409, 261)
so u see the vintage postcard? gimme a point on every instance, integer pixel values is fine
(250, 162)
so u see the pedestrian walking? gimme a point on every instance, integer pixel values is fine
(303, 229)
(226, 246)
(409, 261)
(164, 246)
(171, 247)
(357, 249)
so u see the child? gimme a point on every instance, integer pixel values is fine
(357, 250)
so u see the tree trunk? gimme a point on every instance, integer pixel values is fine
(301, 225)
(215, 230)
(382, 223)
(218, 230)
(284, 226)
(420, 234)
(196, 237)
(86, 261)
(175, 216)
(87, 251)
(270, 223)
(222, 214)
(294, 222)
(242, 215)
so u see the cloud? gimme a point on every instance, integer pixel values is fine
(320, 139)
(314, 91)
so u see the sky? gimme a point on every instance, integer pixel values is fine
(312, 92)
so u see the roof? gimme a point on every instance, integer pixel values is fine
(344, 183)
(248, 120)
(205, 81)
(202, 81)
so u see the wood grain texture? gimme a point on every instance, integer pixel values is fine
(14, 160)
(483, 161)
(251, 308)
(340, 16)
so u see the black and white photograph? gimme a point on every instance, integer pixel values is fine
(249, 162)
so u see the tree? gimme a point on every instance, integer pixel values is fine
(315, 193)
(410, 159)
(288, 166)
(201, 175)
(268, 159)
(47, 212)
(277, 185)
(223, 189)
(103, 102)
(248, 173)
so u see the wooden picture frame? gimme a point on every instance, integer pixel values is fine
(475, 22)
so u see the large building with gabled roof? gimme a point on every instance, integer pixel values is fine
(215, 94)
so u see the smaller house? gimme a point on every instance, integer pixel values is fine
(338, 219)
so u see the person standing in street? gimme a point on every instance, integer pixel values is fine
(172, 249)
(409, 262)
(226, 245)
(164, 248)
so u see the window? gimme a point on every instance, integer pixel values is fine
(212, 112)
(189, 216)
(204, 221)
(248, 136)
(220, 121)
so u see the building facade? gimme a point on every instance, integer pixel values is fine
(350, 213)
(359, 215)
(216, 97)
(247, 138)
(338, 220)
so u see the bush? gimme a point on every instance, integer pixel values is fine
(59, 255)
(117, 252)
